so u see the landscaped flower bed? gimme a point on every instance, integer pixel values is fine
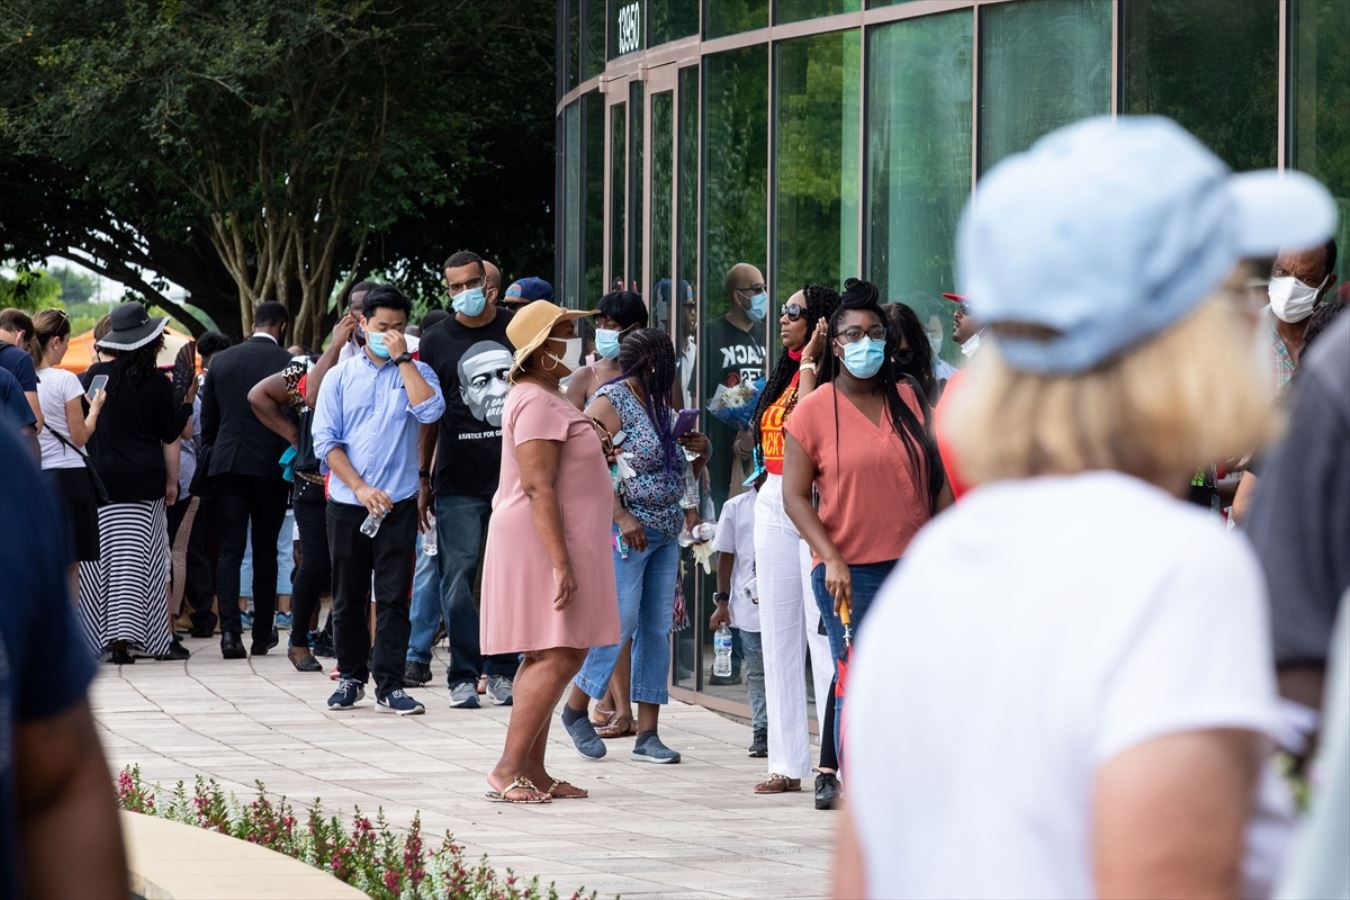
(371, 856)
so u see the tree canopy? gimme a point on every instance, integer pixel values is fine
(254, 150)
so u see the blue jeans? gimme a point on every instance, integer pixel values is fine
(461, 523)
(867, 580)
(753, 647)
(426, 604)
(646, 583)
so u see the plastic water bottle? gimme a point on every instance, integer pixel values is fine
(371, 526)
(722, 653)
(430, 541)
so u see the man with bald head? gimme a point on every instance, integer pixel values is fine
(734, 351)
(492, 281)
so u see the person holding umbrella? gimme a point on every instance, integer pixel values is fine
(860, 442)
(1067, 689)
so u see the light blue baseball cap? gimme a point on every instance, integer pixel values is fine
(1108, 231)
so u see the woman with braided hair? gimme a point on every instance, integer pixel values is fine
(651, 507)
(789, 620)
(861, 442)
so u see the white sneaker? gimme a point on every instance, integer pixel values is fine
(464, 695)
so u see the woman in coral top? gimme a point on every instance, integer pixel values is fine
(861, 442)
(789, 620)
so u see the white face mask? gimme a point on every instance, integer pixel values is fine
(1291, 300)
(571, 357)
(971, 345)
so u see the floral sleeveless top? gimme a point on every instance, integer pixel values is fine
(653, 495)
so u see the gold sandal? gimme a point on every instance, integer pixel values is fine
(521, 783)
(553, 791)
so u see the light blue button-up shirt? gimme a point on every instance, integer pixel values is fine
(364, 409)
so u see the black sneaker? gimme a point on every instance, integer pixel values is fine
(398, 702)
(416, 674)
(827, 790)
(759, 747)
(176, 651)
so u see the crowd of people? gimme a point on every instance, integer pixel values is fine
(1063, 682)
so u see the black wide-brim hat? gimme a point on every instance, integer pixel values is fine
(132, 328)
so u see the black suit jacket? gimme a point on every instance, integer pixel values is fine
(240, 444)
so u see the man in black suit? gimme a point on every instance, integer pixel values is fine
(246, 476)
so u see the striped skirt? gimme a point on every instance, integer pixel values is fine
(124, 594)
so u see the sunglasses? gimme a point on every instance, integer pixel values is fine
(794, 311)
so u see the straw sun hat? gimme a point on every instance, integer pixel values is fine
(529, 328)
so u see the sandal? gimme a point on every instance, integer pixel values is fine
(778, 784)
(601, 716)
(521, 783)
(619, 726)
(580, 793)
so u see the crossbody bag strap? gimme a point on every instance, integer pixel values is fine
(65, 440)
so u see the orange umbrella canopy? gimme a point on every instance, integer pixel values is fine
(80, 356)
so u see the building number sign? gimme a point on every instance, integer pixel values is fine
(629, 27)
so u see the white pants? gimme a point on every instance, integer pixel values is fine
(789, 625)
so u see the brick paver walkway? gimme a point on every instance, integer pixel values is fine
(692, 830)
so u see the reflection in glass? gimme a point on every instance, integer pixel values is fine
(723, 17)
(817, 96)
(618, 189)
(572, 205)
(918, 157)
(572, 43)
(635, 176)
(662, 216)
(1042, 65)
(1319, 121)
(593, 128)
(797, 10)
(1210, 64)
(735, 201)
(593, 51)
(669, 20)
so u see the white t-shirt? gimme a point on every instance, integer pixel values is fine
(1032, 633)
(736, 534)
(56, 388)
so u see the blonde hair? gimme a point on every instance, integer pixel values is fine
(1187, 398)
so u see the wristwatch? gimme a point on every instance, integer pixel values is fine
(403, 358)
(721, 597)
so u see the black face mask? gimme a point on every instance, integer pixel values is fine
(904, 358)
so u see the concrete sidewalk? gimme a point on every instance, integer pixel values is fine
(691, 830)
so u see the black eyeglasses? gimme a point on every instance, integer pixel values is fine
(752, 289)
(794, 311)
(855, 334)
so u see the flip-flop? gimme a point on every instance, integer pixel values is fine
(601, 716)
(619, 726)
(521, 783)
(553, 791)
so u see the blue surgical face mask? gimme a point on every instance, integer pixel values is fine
(759, 306)
(470, 302)
(375, 341)
(863, 358)
(607, 342)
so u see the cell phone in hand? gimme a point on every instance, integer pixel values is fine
(96, 387)
(684, 422)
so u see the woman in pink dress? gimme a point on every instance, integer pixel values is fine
(548, 577)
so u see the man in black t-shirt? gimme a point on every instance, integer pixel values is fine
(734, 352)
(471, 356)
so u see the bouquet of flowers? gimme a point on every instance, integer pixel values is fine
(735, 406)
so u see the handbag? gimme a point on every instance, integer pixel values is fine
(96, 487)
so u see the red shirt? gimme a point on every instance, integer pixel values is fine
(771, 426)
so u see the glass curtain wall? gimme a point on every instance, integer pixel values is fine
(593, 42)
(724, 17)
(1319, 105)
(635, 176)
(662, 228)
(1213, 65)
(1042, 66)
(817, 99)
(735, 206)
(669, 20)
(919, 163)
(797, 10)
(572, 206)
(593, 207)
(618, 190)
(685, 311)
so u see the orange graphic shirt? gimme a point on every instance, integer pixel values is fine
(771, 426)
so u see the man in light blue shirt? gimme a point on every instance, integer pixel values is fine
(366, 423)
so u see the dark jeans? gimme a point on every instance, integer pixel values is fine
(239, 500)
(867, 580)
(460, 525)
(315, 575)
(202, 554)
(389, 556)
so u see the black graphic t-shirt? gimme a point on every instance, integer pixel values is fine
(472, 364)
(733, 355)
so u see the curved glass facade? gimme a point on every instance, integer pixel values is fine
(821, 139)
